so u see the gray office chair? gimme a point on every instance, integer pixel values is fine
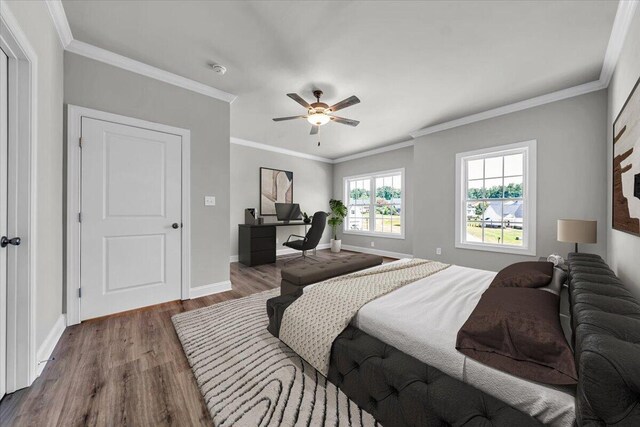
(311, 240)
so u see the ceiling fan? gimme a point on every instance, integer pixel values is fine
(319, 113)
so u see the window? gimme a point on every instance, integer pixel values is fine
(375, 204)
(495, 199)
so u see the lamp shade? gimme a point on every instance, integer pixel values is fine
(577, 231)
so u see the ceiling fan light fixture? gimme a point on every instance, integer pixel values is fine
(318, 119)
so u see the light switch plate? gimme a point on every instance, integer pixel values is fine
(438, 251)
(209, 200)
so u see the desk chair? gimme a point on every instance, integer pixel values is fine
(311, 240)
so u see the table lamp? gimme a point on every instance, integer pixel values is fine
(577, 231)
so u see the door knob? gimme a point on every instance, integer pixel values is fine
(175, 226)
(4, 241)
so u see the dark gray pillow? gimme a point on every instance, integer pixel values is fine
(557, 280)
(565, 315)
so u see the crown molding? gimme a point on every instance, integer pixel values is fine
(56, 10)
(375, 151)
(108, 57)
(59, 17)
(512, 108)
(621, 24)
(266, 147)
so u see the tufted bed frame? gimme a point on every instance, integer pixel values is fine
(399, 390)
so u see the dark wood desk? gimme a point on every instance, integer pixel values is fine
(257, 242)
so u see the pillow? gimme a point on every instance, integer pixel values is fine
(557, 280)
(518, 331)
(530, 274)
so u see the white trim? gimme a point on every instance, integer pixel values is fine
(289, 251)
(49, 344)
(621, 24)
(22, 193)
(285, 251)
(266, 147)
(59, 17)
(530, 185)
(372, 251)
(375, 234)
(375, 151)
(512, 108)
(56, 10)
(108, 57)
(74, 131)
(213, 288)
(373, 175)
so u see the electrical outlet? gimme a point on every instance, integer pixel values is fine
(438, 251)
(209, 200)
(373, 244)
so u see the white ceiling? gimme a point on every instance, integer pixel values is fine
(412, 64)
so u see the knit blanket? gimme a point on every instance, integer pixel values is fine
(311, 324)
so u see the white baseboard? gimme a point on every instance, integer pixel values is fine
(285, 251)
(49, 344)
(374, 251)
(213, 288)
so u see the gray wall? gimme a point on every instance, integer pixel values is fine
(624, 248)
(36, 23)
(312, 182)
(402, 158)
(571, 177)
(92, 84)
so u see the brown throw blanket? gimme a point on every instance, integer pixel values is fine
(312, 323)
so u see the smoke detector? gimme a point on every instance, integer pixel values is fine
(219, 69)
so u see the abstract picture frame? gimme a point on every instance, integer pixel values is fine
(276, 186)
(626, 166)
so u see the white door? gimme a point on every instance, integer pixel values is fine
(4, 120)
(130, 218)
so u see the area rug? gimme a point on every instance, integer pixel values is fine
(250, 378)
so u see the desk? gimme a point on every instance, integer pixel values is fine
(257, 242)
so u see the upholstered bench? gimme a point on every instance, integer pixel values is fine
(298, 276)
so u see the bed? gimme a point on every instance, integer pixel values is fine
(408, 337)
(422, 320)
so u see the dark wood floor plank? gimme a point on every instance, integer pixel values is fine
(129, 369)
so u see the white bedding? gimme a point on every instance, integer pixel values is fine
(422, 319)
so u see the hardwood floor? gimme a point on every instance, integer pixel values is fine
(128, 368)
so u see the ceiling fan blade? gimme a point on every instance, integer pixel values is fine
(344, 121)
(279, 119)
(299, 100)
(314, 130)
(352, 100)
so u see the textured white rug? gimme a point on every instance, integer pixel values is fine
(250, 378)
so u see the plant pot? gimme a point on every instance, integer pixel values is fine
(336, 245)
(307, 221)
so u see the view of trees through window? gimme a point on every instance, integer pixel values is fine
(381, 213)
(495, 200)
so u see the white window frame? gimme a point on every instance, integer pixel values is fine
(529, 180)
(372, 176)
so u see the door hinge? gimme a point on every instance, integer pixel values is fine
(79, 292)
(80, 142)
(79, 216)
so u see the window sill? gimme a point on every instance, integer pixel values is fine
(496, 248)
(374, 234)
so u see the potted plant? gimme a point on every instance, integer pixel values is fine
(306, 218)
(336, 218)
